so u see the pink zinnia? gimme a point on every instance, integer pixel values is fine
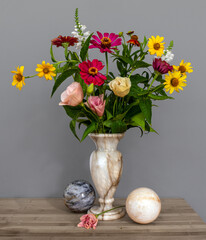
(88, 221)
(96, 104)
(105, 42)
(90, 72)
(161, 66)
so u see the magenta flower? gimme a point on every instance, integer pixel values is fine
(161, 66)
(88, 221)
(90, 72)
(105, 42)
(96, 104)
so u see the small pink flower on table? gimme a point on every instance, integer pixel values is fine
(105, 42)
(96, 104)
(90, 72)
(73, 95)
(88, 221)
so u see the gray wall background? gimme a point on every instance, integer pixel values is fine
(39, 155)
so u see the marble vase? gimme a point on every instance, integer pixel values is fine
(106, 170)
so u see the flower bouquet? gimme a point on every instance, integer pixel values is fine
(100, 100)
(105, 103)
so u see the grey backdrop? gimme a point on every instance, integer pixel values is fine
(39, 155)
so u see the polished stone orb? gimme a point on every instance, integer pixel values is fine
(79, 196)
(143, 205)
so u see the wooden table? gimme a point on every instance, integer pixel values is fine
(44, 219)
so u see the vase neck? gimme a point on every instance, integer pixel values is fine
(106, 142)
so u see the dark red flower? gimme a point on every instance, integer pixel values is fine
(134, 40)
(161, 66)
(66, 39)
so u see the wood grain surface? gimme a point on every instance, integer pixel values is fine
(49, 219)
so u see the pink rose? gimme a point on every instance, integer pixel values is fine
(88, 221)
(73, 95)
(96, 104)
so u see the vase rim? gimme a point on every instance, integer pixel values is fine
(106, 134)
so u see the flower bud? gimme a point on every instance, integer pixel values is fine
(120, 34)
(90, 89)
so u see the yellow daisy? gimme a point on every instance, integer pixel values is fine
(156, 45)
(18, 78)
(174, 81)
(46, 70)
(183, 67)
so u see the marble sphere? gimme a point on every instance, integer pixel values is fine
(79, 196)
(143, 205)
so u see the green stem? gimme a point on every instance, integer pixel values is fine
(31, 76)
(155, 77)
(106, 56)
(115, 103)
(97, 215)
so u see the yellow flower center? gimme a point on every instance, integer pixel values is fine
(156, 46)
(174, 82)
(18, 77)
(106, 42)
(182, 69)
(46, 70)
(93, 71)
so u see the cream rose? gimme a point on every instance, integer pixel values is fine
(120, 86)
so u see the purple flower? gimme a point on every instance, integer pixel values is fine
(161, 66)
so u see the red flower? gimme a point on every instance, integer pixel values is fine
(134, 40)
(66, 39)
(106, 42)
(90, 72)
(88, 221)
(161, 66)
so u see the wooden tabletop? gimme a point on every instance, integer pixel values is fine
(44, 219)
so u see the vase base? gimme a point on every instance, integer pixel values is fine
(111, 215)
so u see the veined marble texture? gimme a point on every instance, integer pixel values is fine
(106, 169)
(143, 205)
(79, 196)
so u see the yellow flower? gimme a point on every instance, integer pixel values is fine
(183, 67)
(18, 78)
(46, 70)
(120, 86)
(174, 81)
(156, 45)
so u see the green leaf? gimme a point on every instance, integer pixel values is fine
(122, 115)
(85, 47)
(146, 108)
(91, 128)
(126, 59)
(52, 54)
(141, 64)
(157, 97)
(138, 120)
(157, 88)
(73, 128)
(77, 78)
(135, 79)
(136, 91)
(118, 126)
(74, 56)
(170, 45)
(61, 78)
(112, 75)
(73, 112)
(109, 115)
